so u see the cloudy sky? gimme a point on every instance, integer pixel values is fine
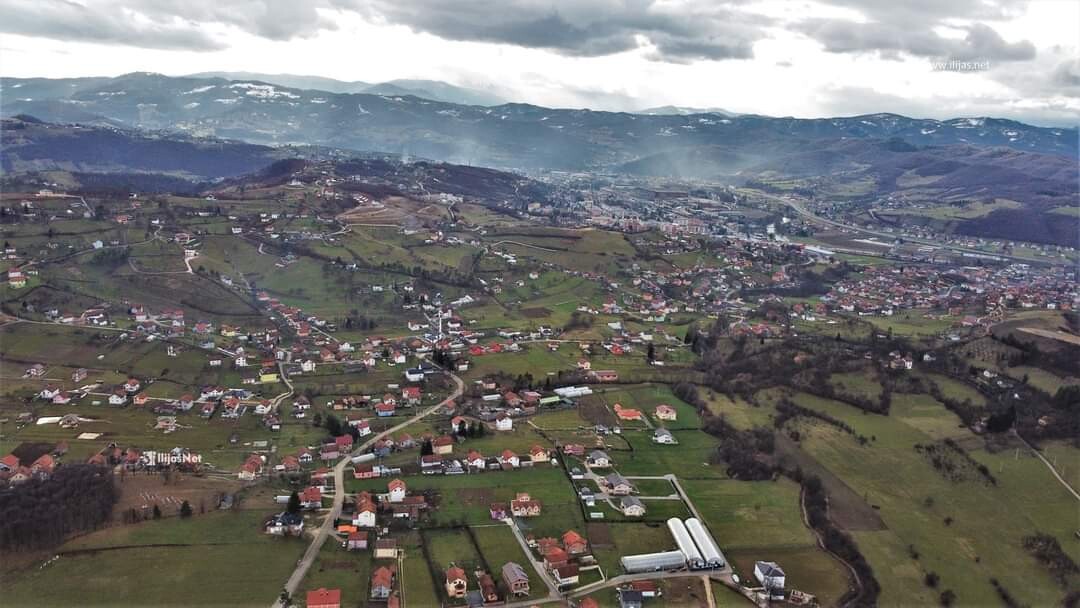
(783, 58)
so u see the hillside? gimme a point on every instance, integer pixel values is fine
(30, 145)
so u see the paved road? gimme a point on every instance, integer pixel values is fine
(553, 591)
(339, 491)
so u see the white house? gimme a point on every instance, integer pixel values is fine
(632, 506)
(364, 516)
(49, 392)
(599, 459)
(504, 423)
(397, 490)
(771, 576)
(307, 366)
(664, 436)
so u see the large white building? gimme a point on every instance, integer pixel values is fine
(771, 576)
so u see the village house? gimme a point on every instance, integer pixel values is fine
(397, 490)
(324, 598)
(311, 498)
(508, 459)
(386, 548)
(665, 412)
(382, 582)
(605, 375)
(538, 454)
(664, 436)
(475, 460)
(627, 414)
(565, 575)
(598, 459)
(489, 592)
(365, 511)
(357, 541)
(771, 576)
(631, 506)
(515, 578)
(524, 506)
(504, 422)
(443, 444)
(285, 524)
(575, 543)
(456, 585)
(618, 485)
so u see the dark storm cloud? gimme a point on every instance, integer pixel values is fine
(980, 43)
(161, 24)
(894, 28)
(686, 32)
(672, 31)
(109, 24)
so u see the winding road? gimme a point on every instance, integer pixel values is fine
(339, 491)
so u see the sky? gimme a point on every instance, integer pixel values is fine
(1015, 59)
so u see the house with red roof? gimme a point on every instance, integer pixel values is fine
(324, 598)
(665, 412)
(575, 543)
(509, 459)
(311, 498)
(344, 442)
(456, 584)
(625, 413)
(382, 582)
(524, 506)
(443, 444)
(357, 541)
(397, 490)
(9, 462)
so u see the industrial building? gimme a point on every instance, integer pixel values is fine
(709, 551)
(653, 562)
(697, 550)
(686, 544)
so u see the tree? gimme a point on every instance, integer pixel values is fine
(157, 512)
(947, 598)
(294, 503)
(185, 509)
(333, 425)
(931, 579)
(650, 354)
(426, 448)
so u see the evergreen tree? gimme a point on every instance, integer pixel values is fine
(294, 503)
(185, 509)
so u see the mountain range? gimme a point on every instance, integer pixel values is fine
(518, 136)
(434, 90)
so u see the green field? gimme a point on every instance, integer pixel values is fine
(914, 500)
(216, 559)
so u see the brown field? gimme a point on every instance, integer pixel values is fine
(141, 491)
(596, 412)
(393, 210)
(476, 497)
(1053, 335)
(846, 508)
(599, 535)
(536, 313)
